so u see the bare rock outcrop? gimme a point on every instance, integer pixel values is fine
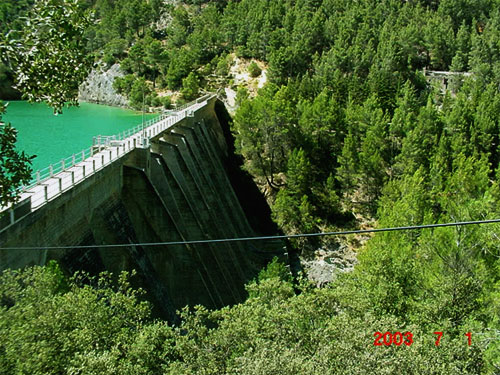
(98, 87)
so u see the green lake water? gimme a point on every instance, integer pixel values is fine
(53, 138)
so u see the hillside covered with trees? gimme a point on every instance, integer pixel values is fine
(347, 130)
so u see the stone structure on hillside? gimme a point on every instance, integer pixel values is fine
(446, 80)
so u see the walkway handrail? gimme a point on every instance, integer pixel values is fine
(100, 142)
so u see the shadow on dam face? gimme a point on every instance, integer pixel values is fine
(188, 185)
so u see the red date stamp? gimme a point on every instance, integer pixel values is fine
(398, 338)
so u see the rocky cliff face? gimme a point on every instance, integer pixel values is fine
(98, 87)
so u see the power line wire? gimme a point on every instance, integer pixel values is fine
(259, 238)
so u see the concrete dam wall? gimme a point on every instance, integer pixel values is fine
(186, 186)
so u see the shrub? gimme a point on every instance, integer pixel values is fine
(166, 102)
(190, 87)
(156, 101)
(254, 69)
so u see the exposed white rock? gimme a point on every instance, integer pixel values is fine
(326, 264)
(262, 79)
(231, 97)
(98, 87)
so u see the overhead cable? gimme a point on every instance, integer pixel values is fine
(257, 238)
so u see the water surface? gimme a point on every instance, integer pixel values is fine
(53, 138)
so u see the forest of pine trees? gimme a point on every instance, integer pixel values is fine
(346, 127)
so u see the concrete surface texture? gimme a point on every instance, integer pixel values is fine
(185, 186)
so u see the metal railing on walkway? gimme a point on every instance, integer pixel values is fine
(50, 182)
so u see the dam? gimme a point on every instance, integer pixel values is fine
(175, 179)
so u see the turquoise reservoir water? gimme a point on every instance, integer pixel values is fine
(53, 138)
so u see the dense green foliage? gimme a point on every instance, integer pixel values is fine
(11, 13)
(346, 124)
(47, 53)
(41, 50)
(86, 326)
(11, 18)
(15, 166)
(345, 88)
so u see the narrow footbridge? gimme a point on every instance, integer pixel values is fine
(51, 182)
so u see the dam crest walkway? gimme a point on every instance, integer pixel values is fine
(49, 183)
